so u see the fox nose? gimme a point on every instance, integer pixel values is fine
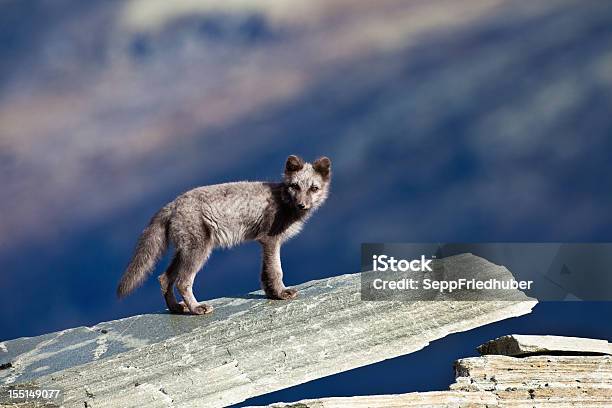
(301, 206)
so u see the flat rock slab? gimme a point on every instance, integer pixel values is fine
(33, 357)
(519, 345)
(249, 346)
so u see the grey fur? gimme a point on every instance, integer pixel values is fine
(225, 215)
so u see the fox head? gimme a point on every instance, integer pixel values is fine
(306, 185)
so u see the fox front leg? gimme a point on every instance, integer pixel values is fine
(272, 272)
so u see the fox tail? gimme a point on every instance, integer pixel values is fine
(150, 248)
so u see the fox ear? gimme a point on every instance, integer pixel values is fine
(322, 166)
(293, 164)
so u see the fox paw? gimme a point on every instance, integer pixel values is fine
(181, 308)
(202, 309)
(288, 294)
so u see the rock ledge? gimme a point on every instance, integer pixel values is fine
(248, 347)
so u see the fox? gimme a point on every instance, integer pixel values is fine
(223, 216)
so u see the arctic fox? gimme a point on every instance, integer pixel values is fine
(225, 215)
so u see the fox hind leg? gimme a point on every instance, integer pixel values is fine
(189, 262)
(166, 281)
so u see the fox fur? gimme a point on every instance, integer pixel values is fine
(224, 215)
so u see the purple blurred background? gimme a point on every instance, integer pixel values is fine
(446, 120)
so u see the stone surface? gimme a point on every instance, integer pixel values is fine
(543, 380)
(516, 345)
(574, 380)
(249, 346)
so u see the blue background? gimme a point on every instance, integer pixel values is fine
(445, 122)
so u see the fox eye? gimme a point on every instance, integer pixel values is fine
(294, 186)
(314, 189)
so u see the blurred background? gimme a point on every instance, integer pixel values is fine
(446, 121)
